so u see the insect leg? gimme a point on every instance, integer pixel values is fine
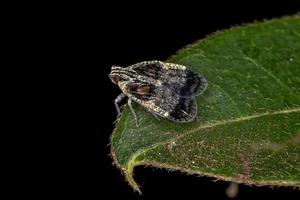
(134, 115)
(117, 101)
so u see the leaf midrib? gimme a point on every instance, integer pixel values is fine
(131, 161)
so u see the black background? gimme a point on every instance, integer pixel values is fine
(102, 35)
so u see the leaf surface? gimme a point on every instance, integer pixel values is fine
(247, 129)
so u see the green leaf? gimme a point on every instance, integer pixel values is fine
(247, 128)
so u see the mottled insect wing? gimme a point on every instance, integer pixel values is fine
(184, 82)
(188, 84)
(141, 91)
(157, 100)
(165, 89)
(184, 110)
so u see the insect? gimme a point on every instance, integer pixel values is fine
(165, 89)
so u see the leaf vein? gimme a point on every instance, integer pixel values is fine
(219, 123)
(270, 74)
(229, 97)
